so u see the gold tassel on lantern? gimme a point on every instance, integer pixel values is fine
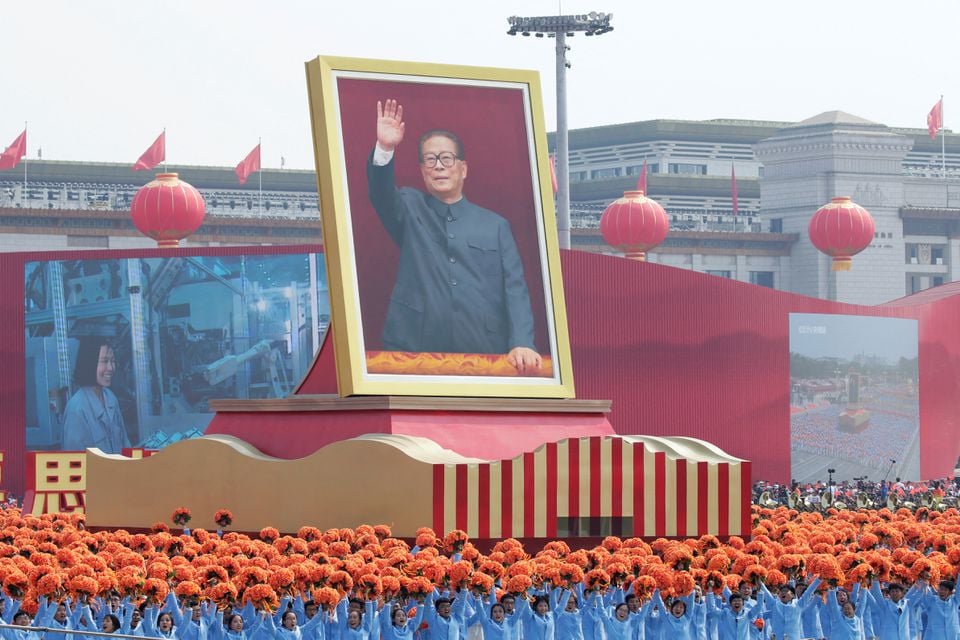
(842, 263)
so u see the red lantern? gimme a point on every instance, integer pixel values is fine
(841, 229)
(167, 210)
(634, 224)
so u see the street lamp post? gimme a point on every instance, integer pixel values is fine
(562, 27)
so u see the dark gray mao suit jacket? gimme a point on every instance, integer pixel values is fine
(460, 285)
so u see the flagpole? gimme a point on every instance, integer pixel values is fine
(260, 178)
(943, 142)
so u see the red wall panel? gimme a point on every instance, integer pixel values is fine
(683, 353)
(678, 353)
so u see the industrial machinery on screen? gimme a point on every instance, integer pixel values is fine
(182, 331)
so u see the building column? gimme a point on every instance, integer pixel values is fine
(953, 259)
(742, 273)
(696, 263)
(783, 273)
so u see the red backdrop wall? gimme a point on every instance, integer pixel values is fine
(678, 353)
(684, 353)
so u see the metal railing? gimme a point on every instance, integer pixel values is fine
(98, 198)
(720, 220)
(81, 632)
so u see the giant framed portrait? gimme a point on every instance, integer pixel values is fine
(439, 230)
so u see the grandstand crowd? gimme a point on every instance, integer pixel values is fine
(861, 493)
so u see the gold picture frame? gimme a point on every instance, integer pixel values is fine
(499, 115)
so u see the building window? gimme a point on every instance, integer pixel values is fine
(578, 176)
(937, 281)
(936, 254)
(599, 174)
(637, 169)
(100, 242)
(687, 168)
(776, 225)
(762, 278)
(720, 274)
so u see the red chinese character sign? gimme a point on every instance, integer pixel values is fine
(841, 229)
(56, 482)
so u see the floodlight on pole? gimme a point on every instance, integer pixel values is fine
(560, 28)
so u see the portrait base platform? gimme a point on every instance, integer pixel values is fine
(486, 428)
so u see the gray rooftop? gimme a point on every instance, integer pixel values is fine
(835, 117)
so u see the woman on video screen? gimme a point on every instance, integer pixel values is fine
(92, 417)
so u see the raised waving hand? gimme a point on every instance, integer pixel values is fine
(390, 125)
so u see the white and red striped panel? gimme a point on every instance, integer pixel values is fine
(665, 486)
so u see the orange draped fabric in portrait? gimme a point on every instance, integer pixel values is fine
(445, 364)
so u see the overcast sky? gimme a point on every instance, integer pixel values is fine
(98, 79)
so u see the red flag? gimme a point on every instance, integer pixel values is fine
(553, 174)
(11, 156)
(642, 182)
(153, 156)
(733, 189)
(250, 164)
(935, 119)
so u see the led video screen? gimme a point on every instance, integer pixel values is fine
(854, 398)
(128, 352)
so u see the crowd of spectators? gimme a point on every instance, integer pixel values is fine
(941, 490)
